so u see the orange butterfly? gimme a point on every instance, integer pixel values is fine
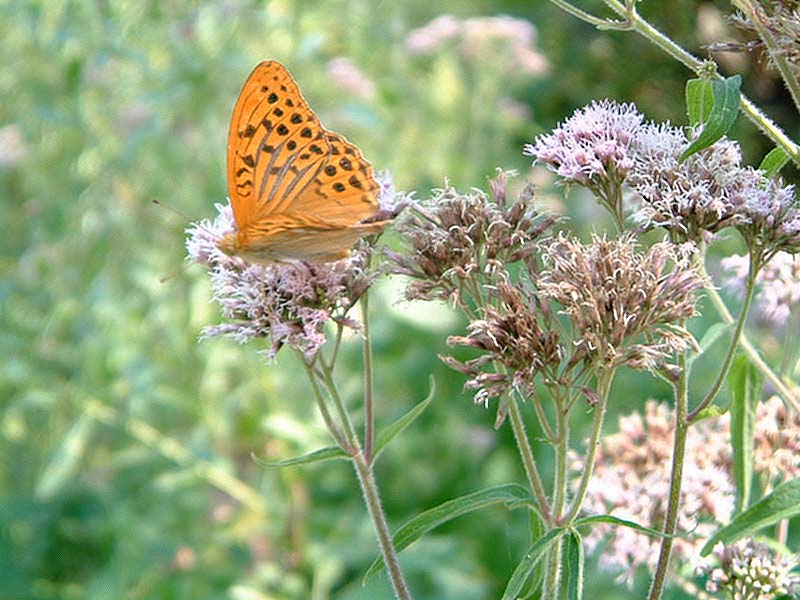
(298, 191)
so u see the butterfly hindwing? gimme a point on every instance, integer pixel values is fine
(344, 191)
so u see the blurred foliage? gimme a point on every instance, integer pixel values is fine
(125, 446)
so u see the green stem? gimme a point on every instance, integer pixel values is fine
(562, 448)
(344, 417)
(783, 390)
(551, 583)
(603, 388)
(552, 570)
(366, 478)
(369, 417)
(337, 343)
(583, 15)
(525, 452)
(754, 13)
(323, 408)
(676, 477)
(734, 342)
(542, 416)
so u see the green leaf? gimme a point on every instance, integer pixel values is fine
(525, 567)
(385, 436)
(774, 161)
(711, 411)
(746, 385)
(511, 494)
(538, 528)
(617, 521)
(65, 459)
(334, 452)
(573, 565)
(722, 116)
(326, 453)
(711, 335)
(782, 503)
(699, 100)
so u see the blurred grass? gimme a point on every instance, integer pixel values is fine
(125, 446)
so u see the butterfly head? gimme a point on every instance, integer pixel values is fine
(229, 243)
(235, 244)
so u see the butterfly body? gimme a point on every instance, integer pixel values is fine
(274, 242)
(298, 191)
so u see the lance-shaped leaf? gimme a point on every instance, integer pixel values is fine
(334, 452)
(782, 503)
(529, 561)
(774, 161)
(746, 384)
(511, 494)
(387, 435)
(573, 565)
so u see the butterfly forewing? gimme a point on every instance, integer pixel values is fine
(276, 144)
(298, 191)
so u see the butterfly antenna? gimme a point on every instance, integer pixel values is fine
(185, 217)
(175, 273)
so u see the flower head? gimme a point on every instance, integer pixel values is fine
(627, 307)
(631, 479)
(455, 237)
(349, 78)
(509, 41)
(770, 214)
(782, 21)
(778, 284)
(431, 36)
(694, 198)
(509, 334)
(592, 147)
(751, 570)
(288, 303)
(776, 455)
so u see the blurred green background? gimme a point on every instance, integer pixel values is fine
(125, 445)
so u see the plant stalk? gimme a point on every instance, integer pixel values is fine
(344, 417)
(369, 415)
(644, 28)
(603, 388)
(676, 479)
(526, 453)
(366, 478)
(551, 583)
(734, 341)
(754, 13)
(333, 428)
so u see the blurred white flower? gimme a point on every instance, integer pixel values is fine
(12, 146)
(349, 78)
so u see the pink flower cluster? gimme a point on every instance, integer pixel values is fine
(778, 284)
(594, 143)
(631, 479)
(348, 77)
(479, 37)
(287, 303)
(605, 146)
